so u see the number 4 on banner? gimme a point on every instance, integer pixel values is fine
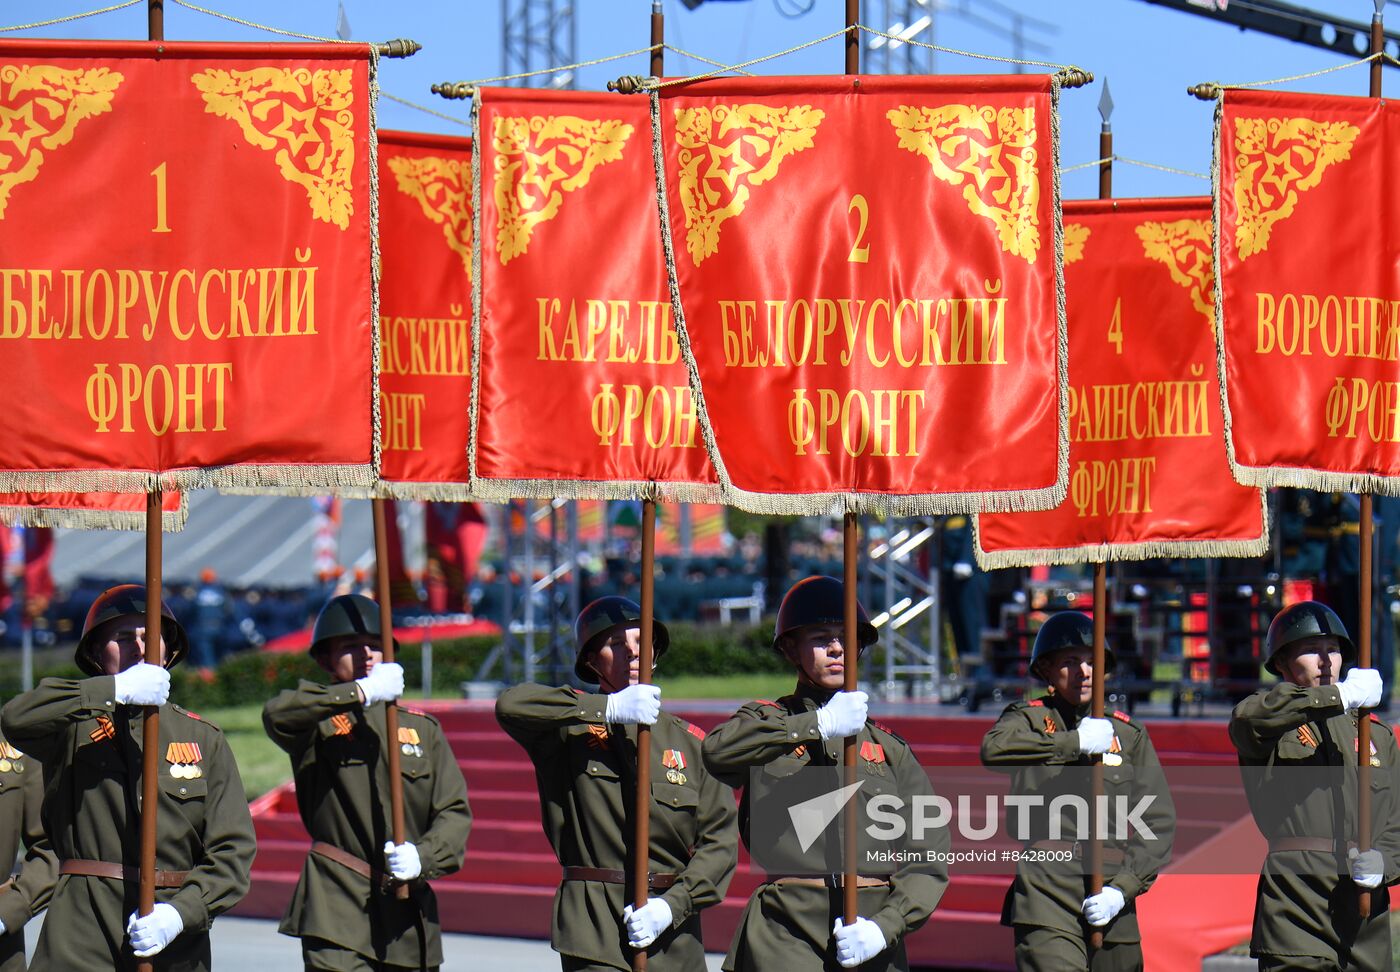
(1115, 327)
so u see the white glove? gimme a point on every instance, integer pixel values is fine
(1099, 909)
(1368, 869)
(143, 684)
(843, 715)
(645, 925)
(1361, 689)
(151, 933)
(402, 860)
(384, 683)
(858, 943)
(2, 928)
(1095, 735)
(634, 704)
(962, 570)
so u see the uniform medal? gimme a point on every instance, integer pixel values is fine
(184, 759)
(674, 761)
(5, 765)
(408, 741)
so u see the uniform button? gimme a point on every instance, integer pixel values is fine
(793, 735)
(183, 791)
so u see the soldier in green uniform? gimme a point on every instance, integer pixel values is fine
(26, 893)
(88, 734)
(583, 745)
(1297, 744)
(1041, 742)
(346, 908)
(795, 922)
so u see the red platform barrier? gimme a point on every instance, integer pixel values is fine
(507, 885)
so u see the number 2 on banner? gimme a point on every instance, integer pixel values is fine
(161, 225)
(1115, 327)
(859, 254)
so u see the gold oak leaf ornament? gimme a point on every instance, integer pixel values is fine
(991, 153)
(1276, 160)
(1184, 245)
(302, 115)
(724, 152)
(41, 105)
(1076, 235)
(538, 160)
(442, 188)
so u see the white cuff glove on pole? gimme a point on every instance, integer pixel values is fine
(142, 684)
(1361, 689)
(384, 683)
(634, 704)
(1095, 735)
(857, 943)
(150, 934)
(843, 715)
(1368, 869)
(962, 570)
(402, 860)
(646, 924)
(1100, 909)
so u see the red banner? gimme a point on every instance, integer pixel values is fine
(91, 511)
(425, 353)
(455, 534)
(1148, 473)
(186, 287)
(581, 390)
(869, 275)
(1310, 301)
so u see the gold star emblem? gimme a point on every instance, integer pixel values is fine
(1279, 170)
(542, 170)
(983, 163)
(18, 127)
(727, 164)
(297, 137)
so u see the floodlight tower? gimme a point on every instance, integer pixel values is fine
(539, 34)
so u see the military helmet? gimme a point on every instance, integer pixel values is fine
(126, 600)
(348, 614)
(1306, 619)
(819, 600)
(603, 617)
(1066, 629)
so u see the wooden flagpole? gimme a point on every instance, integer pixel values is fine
(386, 645)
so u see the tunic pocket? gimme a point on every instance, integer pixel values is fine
(676, 796)
(185, 790)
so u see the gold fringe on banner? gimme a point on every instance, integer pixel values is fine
(1099, 553)
(902, 504)
(171, 521)
(413, 491)
(375, 419)
(500, 490)
(249, 477)
(474, 408)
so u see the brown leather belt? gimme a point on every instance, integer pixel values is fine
(1079, 849)
(833, 881)
(615, 875)
(346, 859)
(1325, 845)
(105, 869)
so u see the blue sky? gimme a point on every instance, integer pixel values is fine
(1149, 54)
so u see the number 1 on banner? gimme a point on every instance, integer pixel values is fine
(161, 225)
(1115, 327)
(859, 254)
